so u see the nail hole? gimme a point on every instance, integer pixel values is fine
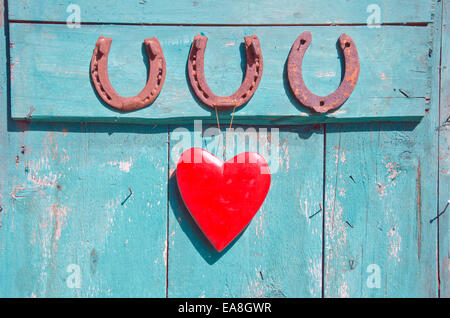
(322, 103)
(347, 44)
(302, 42)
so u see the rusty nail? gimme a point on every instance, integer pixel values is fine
(403, 92)
(443, 211)
(320, 206)
(129, 195)
(351, 263)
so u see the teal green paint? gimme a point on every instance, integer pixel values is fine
(66, 205)
(444, 158)
(380, 193)
(230, 12)
(50, 74)
(380, 215)
(79, 218)
(61, 191)
(280, 252)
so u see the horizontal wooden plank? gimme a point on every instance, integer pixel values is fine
(228, 12)
(50, 73)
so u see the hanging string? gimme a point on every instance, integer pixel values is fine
(220, 132)
(217, 118)
(232, 116)
(229, 128)
(224, 144)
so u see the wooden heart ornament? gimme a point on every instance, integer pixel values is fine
(222, 197)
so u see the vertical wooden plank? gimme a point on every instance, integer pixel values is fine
(380, 196)
(125, 201)
(280, 252)
(444, 156)
(4, 149)
(66, 209)
(70, 203)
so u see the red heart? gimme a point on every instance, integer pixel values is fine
(222, 197)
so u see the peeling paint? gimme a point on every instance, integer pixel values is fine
(124, 165)
(57, 214)
(395, 244)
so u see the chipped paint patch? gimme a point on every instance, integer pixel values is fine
(44, 181)
(165, 253)
(15, 192)
(381, 189)
(394, 169)
(260, 224)
(326, 74)
(343, 290)
(57, 214)
(339, 155)
(315, 273)
(395, 244)
(124, 165)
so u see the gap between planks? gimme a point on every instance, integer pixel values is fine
(413, 24)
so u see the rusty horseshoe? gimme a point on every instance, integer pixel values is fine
(100, 78)
(322, 104)
(249, 84)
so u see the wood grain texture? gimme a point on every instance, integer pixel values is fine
(4, 142)
(68, 204)
(380, 194)
(231, 12)
(62, 197)
(64, 187)
(444, 156)
(50, 73)
(280, 252)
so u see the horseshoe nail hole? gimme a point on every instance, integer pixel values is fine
(322, 103)
(302, 42)
(347, 44)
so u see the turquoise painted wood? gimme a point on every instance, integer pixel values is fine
(381, 188)
(444, 156)
(59, 210)
(46, 58)
(231, 12)
(380, 194)
(361, 198)
(63, 198)
(280, 252)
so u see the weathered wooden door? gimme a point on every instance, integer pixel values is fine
(88, 202)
